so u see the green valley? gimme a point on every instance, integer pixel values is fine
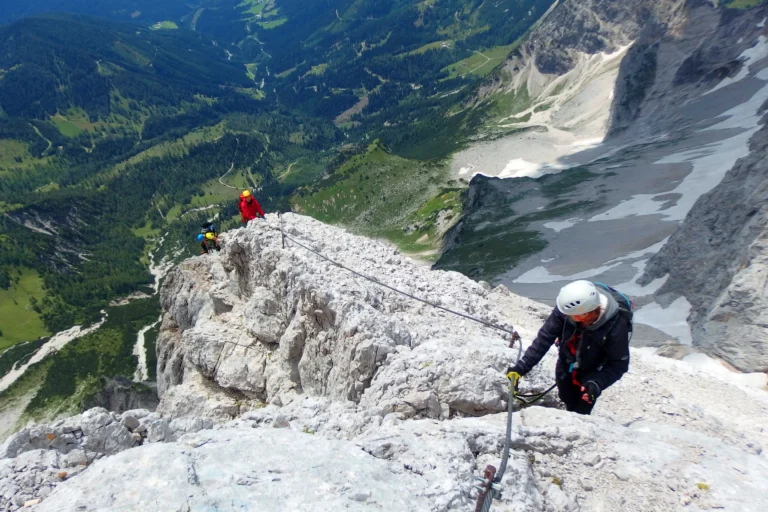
(155, 130)
(17, 308)
(118, 140)
(383, 195)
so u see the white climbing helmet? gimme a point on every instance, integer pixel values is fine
(577, 298)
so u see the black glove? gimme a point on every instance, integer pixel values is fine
(591, 392)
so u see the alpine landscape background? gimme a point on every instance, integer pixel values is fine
(476, 154)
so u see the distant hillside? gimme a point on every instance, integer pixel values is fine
(59, 62)
(115, 136)
(390, 69)
(117, 140)
(109, 133)
(139, 11)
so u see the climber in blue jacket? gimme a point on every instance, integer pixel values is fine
(209, 238)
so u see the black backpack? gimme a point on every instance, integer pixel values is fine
(626, 306)
(208, 227)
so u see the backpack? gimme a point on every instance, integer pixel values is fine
(626, 305)
(208, 227)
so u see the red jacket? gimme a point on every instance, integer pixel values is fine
(249, 211)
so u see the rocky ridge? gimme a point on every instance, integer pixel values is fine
(267, 328)
(729, 314)
(723, 236)
(570, 34)
(277, 424)
(38, 458)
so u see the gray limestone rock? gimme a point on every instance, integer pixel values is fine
(725, 238)
(130, 422)
(592, 459)
(200, 474)
(295, 324)
(120, 394)
(75, 458)
(159, 431)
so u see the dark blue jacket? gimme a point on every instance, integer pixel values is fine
(602, 354)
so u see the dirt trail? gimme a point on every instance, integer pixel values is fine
(221, 179)
(487, 60)
(50, 144)
(289, 169)
(352, 111)
(193, 25)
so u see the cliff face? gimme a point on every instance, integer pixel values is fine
(718, 260)
(675, 61)
(573, 30)
(590, 27)
(263, 324)
(377, 402)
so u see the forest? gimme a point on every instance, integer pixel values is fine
(119, 10)
(92, 253)
(92, 104)
(117, 140)
(56, 62)
(398, 55)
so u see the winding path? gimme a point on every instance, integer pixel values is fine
(200, 209)
(46, 139)
(289, 169)
(487, 60)
(157, 206)
(221, 180)
(193, 25)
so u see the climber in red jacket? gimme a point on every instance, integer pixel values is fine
(249, 207)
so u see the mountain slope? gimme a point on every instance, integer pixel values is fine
(56, 63)
(378, 401)
(556, 88)
(121, 10)
(123, 141)
(385, 70)
(118, 143)
(728, 308)
(679, 108)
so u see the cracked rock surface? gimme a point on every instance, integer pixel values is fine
(289, 384)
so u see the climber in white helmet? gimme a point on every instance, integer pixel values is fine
(592, 326)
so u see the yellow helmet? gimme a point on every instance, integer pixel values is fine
(209, 236)
(246, 193)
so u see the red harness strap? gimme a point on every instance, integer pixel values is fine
(572, 347)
